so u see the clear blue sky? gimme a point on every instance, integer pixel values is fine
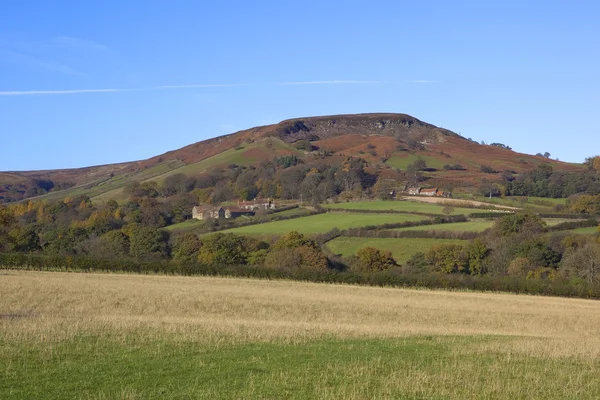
(94, 82)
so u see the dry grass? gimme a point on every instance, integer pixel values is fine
(52, 307)
(94, 336)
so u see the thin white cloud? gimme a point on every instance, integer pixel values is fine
(422, 81)
(114, 90)
(59, 92)
(167, 87)
(333, 82)
(75, 43)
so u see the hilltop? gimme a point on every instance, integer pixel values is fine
(386, 142)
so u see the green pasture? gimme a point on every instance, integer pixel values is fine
(416, 367)
(322, 223)
(476, 225)
(541, 203)
(592, 230)
(398, 205)
(402, 162)
(402, 249)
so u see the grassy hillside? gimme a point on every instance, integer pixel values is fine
(380, 139)
(155, 337)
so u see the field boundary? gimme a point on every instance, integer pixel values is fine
(389, 278)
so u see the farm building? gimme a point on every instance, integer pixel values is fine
(234, 212)
(257, 203)
(207, 212)
(414, 191)
(429, 192)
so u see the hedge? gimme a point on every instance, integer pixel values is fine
(389, 278)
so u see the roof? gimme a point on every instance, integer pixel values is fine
(205, 208)
(237, 210)
(434, 190)
(254, 202)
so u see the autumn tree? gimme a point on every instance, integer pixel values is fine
(584, 263)
(186, 247)
(370, 259)
(448, 258)
(296, 251)
(148, 243)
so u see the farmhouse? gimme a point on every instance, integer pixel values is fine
(414, 191)
(234, 212)
(257, 203)
(429, 192)
(208, 212)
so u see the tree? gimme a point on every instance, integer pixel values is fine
(418, 165)
(149, 243)
(383, 189)
(370, 259)
(477, 251)
(525, 222)
(24, 240)
(584, 263)
(186, 247)
(448, 210)
(301, 257)
(224, 249)
(448, 258)
(294, 250)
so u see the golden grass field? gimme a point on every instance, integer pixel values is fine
(481, 333)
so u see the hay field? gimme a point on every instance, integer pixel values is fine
(95, 336)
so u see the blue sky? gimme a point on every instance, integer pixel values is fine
(94, 82)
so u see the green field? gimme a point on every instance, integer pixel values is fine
(476, 225)
(398, 205)
(322, 223)
(585, 231)
(403, 162)
(402, 249)
(102, 336)
(531, 202)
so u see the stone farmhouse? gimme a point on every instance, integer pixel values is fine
(208, 212)
(431, 192)
(211, 212)
(258, 203)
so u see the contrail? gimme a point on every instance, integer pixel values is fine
(174, 87)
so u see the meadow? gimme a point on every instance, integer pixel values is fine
(94, 336)
(402, 249)
(475, 225)
(403, 162)
(322, 223)
(395, 205)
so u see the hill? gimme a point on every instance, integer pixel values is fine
(384, 141)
